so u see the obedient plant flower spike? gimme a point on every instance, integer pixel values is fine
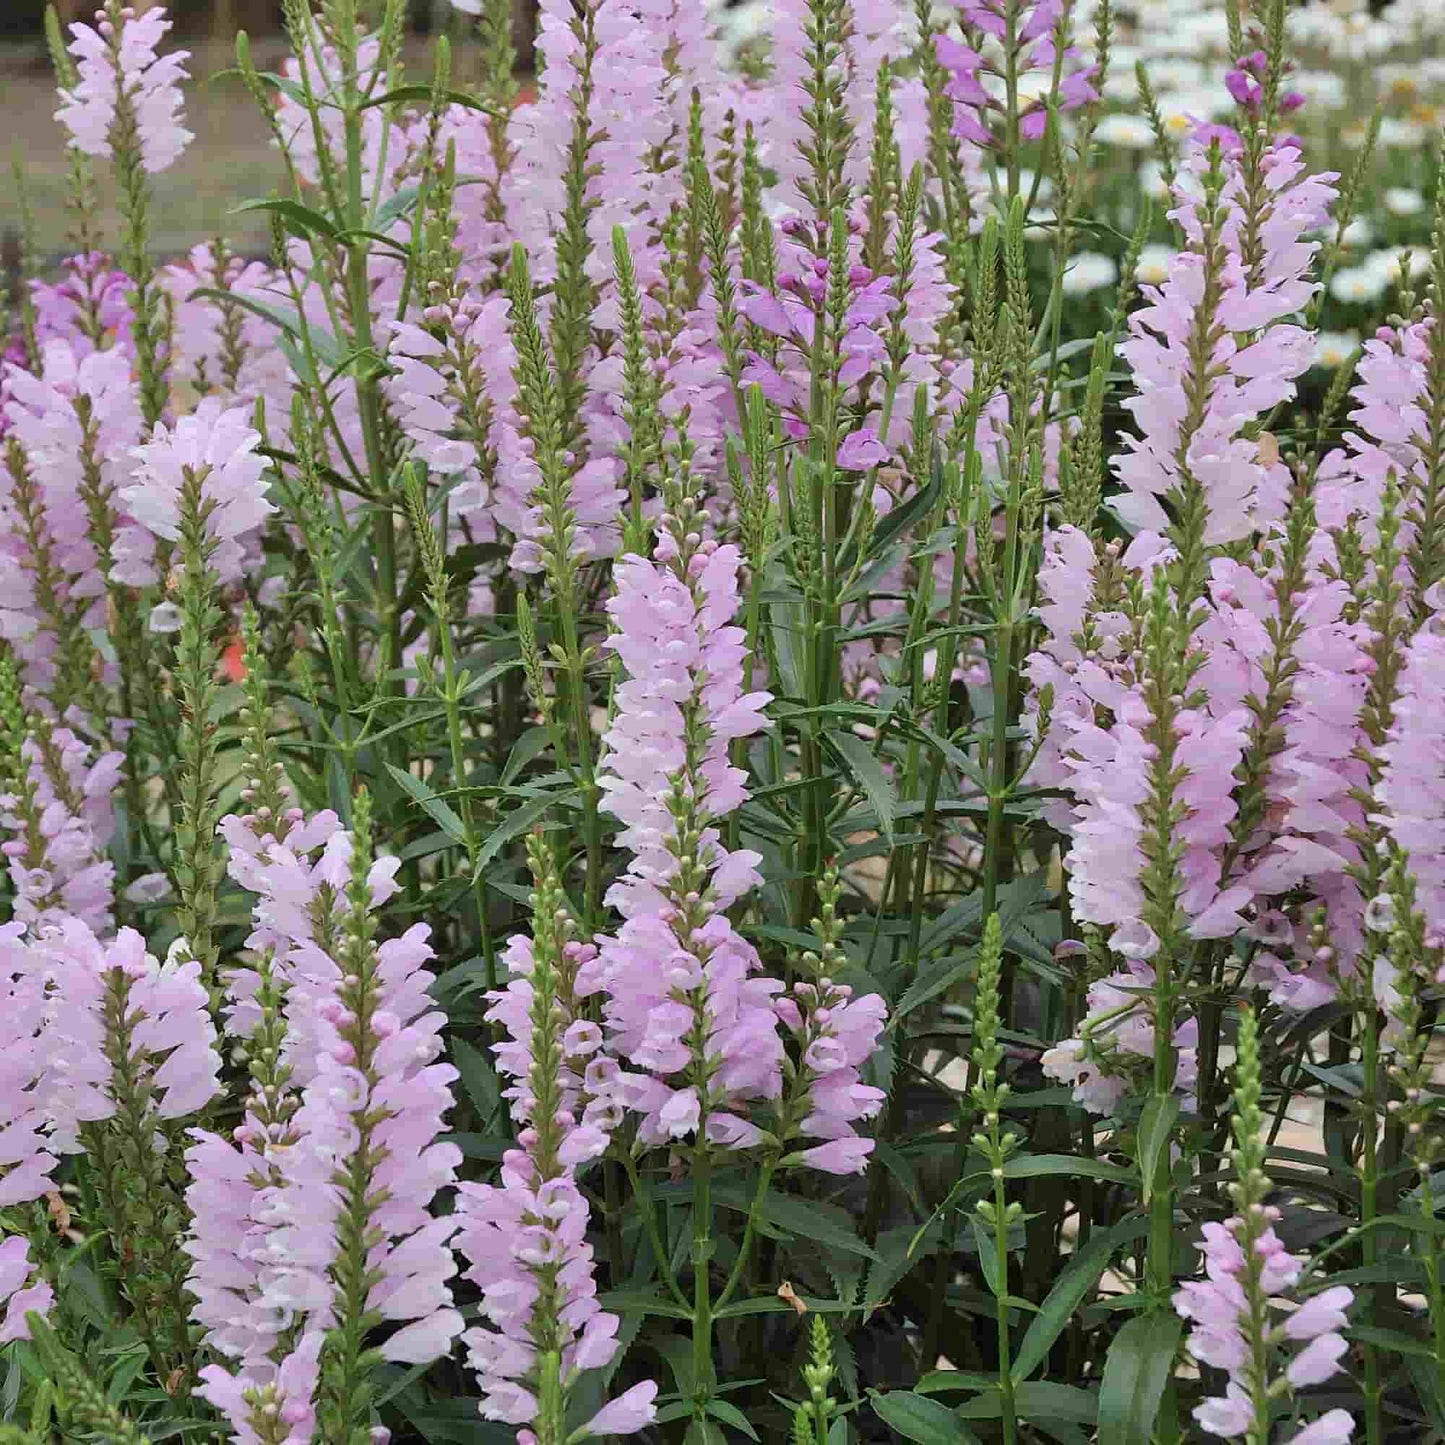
(640, 398)
(707, 217)
(542, 400)
(1163, 147)
(1248, 1272)
(54, 611)
(126, 105)
(526, 1236)
(369, 1122)
(812, 1420)
(499, 89)
(884, 180)
(81, 201)
(944, 155)
(574, 297)
(143, 1008)
(829, 125)
(19, 310)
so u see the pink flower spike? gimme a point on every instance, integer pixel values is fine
(109, 66)
(219, 446)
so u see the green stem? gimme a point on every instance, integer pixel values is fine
(702, 1252)
(1007, 1406)
(1369, 1185)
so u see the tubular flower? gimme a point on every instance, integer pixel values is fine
(525, 1238)
(1214, 305)
(217, 445)
(61, 821)
(122, 61)
(677, 972)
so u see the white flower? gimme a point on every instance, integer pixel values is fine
(1403, 201)
(1152, 182)
(1322, 88)
(1154, 262)
(1358, 284)
(1360, 232)
(1090, 271)
(1129, 132)
(1397, 132)
(1388, 263)
(1334, 348)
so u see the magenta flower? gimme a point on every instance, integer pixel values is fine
(862, 449)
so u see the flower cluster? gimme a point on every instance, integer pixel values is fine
(119, 67)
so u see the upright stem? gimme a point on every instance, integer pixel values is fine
(702, 1252)
(1369, 1186)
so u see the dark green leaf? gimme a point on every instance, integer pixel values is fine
(303, 219)
(441, 813)
(405, 94)
(479, 1079)
(516, 823)
(1067, 1294)
(995, 1269)
(1156, 1127)
(858, 759)
(824, 1224)
(918, 1418)
(643, 1302)
(731, 1415)
(904, 515)
(1038, 1400)
(1135, 1373)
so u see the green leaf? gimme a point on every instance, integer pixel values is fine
(825, 1224)
(441, 813)
(1067, 1294)
(1039, 1166)
(995, 1269)
(918, 1418)
(731, 1415)
(328, 352)
(1156, 1127)
(304, 220)
(527, 749)
(517, 823)
(895, 1259)
(903, 516)
(1394, 1340)
(704, 1432)
(405, 94)
(479, 1079)
(857, 757)
(643, 1302)
(770, 1304)
(397, 206)
(1039, 1400)
(1135, 1373)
